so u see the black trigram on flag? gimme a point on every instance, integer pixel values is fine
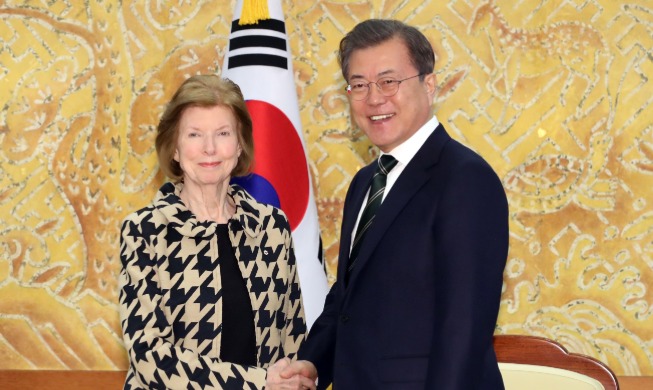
(256, 44)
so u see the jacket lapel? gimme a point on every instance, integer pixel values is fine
(414, 176)
(350, 214)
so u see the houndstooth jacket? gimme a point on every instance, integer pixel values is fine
(170, 297)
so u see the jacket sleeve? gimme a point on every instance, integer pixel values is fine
(294, 331)
(319, 347)
(320, 344)
(157, 361)
(473, 245)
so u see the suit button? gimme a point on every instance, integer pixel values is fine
(344, 318)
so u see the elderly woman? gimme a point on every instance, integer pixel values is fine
(209, 293)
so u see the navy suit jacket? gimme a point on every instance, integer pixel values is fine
(421, 304)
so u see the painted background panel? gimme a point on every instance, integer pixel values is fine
(555, 94)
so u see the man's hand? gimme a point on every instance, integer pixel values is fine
(290, 381)
(302, 368)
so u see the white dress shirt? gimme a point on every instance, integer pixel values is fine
(403, 153)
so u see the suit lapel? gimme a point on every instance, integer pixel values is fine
(354, 203)
(414, 176)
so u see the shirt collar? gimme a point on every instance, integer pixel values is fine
(408, 149)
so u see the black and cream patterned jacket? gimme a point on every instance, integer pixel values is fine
(170, 296)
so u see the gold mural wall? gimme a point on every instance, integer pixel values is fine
(555, 94)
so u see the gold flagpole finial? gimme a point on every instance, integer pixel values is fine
(253, 11)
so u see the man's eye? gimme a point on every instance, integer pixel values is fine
(387, 82)
(358, 86)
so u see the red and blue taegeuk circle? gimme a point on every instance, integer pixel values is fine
(280, 173)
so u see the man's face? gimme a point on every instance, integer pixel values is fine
(388, 121)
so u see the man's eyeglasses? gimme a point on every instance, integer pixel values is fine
(386, 85)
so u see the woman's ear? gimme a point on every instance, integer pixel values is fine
(176, 155)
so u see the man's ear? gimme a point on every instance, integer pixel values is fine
(430, 83)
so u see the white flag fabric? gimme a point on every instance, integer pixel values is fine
(259, 61)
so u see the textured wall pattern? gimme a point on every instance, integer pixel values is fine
(555, 94)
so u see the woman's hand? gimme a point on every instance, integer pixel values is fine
(274, 381)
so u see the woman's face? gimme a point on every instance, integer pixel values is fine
(207, 146)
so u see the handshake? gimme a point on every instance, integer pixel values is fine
(286, 374)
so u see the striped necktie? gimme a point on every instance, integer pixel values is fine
(385, 165)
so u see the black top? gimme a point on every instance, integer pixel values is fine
(238, 337)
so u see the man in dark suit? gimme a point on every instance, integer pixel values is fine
(419, 278)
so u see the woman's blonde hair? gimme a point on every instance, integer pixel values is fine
(204, 91)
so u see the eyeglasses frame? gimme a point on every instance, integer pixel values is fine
(348, 87)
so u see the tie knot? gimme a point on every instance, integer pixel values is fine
(386, 163)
